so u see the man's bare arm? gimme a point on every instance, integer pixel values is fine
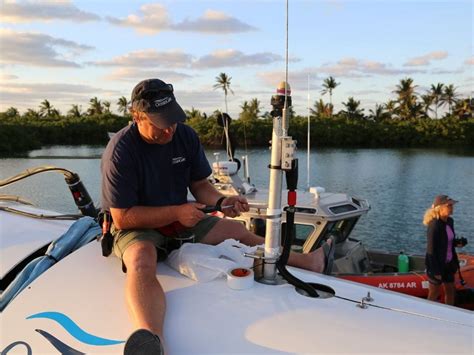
(204, 192)
(138, 217)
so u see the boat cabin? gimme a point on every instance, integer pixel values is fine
(319, 215)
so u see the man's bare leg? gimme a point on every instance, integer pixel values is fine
(227, 228)
(144, 294)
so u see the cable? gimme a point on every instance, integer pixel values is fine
(34, 171)
(41, 216)
(15, 198)
(402, 311)
(79, 193)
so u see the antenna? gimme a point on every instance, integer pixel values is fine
(309, 143)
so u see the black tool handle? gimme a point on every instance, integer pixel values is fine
(209, 209)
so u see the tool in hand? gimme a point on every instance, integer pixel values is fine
(210, 209)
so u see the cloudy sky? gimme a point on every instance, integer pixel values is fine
(69, 51)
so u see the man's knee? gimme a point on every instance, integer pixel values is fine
(140, 257)
(233, 226)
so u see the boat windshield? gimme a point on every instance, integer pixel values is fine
(301, 233)
(340, 229)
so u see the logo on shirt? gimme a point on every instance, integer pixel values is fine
(178, 160)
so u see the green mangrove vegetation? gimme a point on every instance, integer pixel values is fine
(408, 120)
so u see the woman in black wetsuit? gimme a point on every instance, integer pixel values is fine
(441, 258)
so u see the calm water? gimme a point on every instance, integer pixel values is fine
(399, 184)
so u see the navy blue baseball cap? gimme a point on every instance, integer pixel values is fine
(156, 98)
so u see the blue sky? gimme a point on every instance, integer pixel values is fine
(70, 51)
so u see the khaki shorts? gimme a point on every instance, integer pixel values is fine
(164, 245)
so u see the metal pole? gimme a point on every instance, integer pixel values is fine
(308, 139)
(273, 227)
(274, 212)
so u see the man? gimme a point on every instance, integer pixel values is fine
(147, 169)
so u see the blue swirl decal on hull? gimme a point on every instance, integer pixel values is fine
(73, 329)
(64, 349)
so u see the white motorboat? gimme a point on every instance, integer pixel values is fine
(60, 295)
(78, 306)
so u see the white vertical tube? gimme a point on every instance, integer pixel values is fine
(245, 158)
(273, 227)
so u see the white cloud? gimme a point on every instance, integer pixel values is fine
(149, 58)
(6, 77)
(27, 11)
(357, 68)
(214, 22)
(426, 59)
(154, 18)
(133, 74)
(36, 49)
(439, 71)
(29, 95)
(235, 58)
(344, 68)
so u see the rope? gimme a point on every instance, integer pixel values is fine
(403, 311)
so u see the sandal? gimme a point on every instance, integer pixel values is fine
(143, 342)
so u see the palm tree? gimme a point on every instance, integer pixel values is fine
(379, 113)
(45, 108)
(427, 101)
(223, 82)
(75, 111)
(449, 97)
(406, 98)
(12, 112)
(463, 109)
(95, 107)
(321, 109)
(391, 107)
(329, 85)
(437, 93)
(106, 105)
(245, 106)
(55, 113)
(416, 111)
(352, 108)
(193, 113)
(255, 107)
(122, 104)
(30, 113)
(250, 111)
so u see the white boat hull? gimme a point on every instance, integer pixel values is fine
(205, 318)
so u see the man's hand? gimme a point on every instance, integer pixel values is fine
(189, 214)
(239, 204)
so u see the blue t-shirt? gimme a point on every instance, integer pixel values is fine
(136, 173)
